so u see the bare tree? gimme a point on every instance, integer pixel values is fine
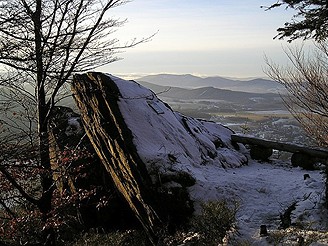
(42, 44)
(306, 81)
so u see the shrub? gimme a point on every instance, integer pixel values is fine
(118, 238)
(216, 219)
(208, 228)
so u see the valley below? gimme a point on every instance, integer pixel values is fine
(258, 111)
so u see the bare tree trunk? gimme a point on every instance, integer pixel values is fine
(326, 183)
(44, 204)
(42, 44)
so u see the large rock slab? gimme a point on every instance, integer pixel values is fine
(80, 175)
(152, 153)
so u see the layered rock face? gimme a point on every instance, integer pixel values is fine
(80, 176)
(154, 155)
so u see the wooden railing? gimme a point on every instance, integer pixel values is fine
(261, 149)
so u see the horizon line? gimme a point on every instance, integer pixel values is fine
(140, 75)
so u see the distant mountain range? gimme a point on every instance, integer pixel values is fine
(190, 81)
(254, 94)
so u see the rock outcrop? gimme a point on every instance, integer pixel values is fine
(152, 153)
(80, 176)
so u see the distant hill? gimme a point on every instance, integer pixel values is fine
(248, 99)
(189, 81)
(186, 80)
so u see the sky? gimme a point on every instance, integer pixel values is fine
(206, 38)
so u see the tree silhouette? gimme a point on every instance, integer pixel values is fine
(306, 82)
(310, 20)
(306, 79)
(42, 44)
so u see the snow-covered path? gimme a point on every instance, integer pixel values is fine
(264, 191)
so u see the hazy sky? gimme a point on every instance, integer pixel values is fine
(208, 37)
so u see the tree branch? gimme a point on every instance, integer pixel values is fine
(17, 186)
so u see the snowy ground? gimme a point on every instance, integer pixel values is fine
(264, 191)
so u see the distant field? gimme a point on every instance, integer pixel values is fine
(252, 116)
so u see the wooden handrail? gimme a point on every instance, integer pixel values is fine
(288, 147)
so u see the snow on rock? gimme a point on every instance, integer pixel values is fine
(73, 126)
(170, 140)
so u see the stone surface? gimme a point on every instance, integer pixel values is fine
(97, 99)
(260, 153)
(80, 176)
